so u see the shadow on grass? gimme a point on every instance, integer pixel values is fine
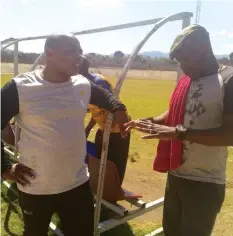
(9, 197)
(121, 230)
(6, 221)
(124, 229)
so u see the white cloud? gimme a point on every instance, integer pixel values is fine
(228, 46)
(230, 34)
(102, 3)
(222, 32)
(226, 33)
(24, 1)
(2, 4)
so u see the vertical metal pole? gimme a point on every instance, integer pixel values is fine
(108, 122)
(16, 72)
(16, 59)
(37, 62)
(186, 22)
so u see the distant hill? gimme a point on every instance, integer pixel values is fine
(154, 54)
(222, 56)
(158, 54)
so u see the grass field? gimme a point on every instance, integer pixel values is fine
(143, 98)
(112, 72)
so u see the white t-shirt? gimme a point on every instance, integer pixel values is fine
(52, 139)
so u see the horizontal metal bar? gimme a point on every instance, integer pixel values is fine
(136, 202)
(11, 154)
(55, 229)
(8, 186)
(8, 151)
(9, 44)
(109, 224)
(179, 16)
(115, 207)
(156, 232)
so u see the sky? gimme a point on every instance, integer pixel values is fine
(21, 18)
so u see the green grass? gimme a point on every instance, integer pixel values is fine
(8, 67)
(143, 98)
(12, 223)
(5, 78)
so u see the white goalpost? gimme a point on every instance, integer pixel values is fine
(141, 206)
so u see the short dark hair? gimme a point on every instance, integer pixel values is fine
(54, 41)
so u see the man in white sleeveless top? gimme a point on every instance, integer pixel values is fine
(49, 106)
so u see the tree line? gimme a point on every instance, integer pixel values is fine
(118, 59)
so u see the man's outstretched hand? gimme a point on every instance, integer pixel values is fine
(20, 174)
(152, 131)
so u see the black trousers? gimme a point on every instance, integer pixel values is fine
(191, 207)
(118, 150)
(75, 209)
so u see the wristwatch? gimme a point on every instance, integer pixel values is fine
(181, 132)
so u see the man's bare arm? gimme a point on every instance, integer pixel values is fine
(222, 136)
(90, 126)
(9, 109)
(160, 120)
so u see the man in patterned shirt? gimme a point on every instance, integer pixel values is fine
(196, 187)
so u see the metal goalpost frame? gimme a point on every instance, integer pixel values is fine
(108, 123)
(185, 17)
